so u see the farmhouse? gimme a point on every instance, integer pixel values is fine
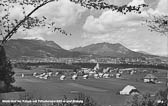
(96, 67)
(150, 78)
(34, 74)
(100, 74)
(86, 70)
(22, 75)
(62, 77)
(129, 90)
(45, 77)
(85, 76)
(74, 77)
(118, 75)
(91, 73)
(96, 76)
(106, 76)
(105, 70)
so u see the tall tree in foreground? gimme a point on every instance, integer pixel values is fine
(9, 25)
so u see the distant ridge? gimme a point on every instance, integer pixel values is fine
(17, 48)
(35, 48)
(109, 50)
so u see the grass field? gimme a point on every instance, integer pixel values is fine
(103, 91)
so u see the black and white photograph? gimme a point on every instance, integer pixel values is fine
(83, 52)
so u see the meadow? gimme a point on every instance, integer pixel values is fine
(103, 91)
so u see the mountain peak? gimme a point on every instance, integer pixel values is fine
(108, 50)
(16, 48)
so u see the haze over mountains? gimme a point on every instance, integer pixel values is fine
(17, 48)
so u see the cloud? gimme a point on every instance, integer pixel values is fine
(136, 2)
(63, 12)
(161, 8)
(110, 21)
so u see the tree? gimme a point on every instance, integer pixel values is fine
(9, 26)
(160, 99)
(6, 73)
(158, 23)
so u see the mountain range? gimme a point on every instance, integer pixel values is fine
(17, 48)
(109, 50)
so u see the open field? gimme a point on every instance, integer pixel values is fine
(103, 91)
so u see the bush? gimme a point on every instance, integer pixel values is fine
(148, 100)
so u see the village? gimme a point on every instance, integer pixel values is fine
(130, 74)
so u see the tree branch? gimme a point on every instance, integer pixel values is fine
(9, 35)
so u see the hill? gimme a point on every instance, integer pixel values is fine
(109, 50)
(17, 48)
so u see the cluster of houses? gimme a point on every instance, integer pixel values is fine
(95, 73)
(44, 75)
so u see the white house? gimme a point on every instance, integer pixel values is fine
(150, 78)
(106, 76)
(118, 75)
(91, 73)
(49, 73)
(22, 75)
(45, 77)
(74, 77)
(85, 76)
(62, 77)
(96, 76)
(86, 70)
(105, 70)
(100, 74)
(129, 90)
(97, 67)
(34, 74)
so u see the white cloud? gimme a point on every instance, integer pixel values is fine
(136, 2)
(163, 6)
(161, 9)
(111, 21)
(63, 12)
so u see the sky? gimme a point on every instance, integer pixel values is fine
(95, 26)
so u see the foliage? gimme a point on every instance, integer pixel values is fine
(101, 4)
(6, 72)
(158, 23)
(148, 100)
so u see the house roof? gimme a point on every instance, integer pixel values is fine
(150, 76)
(128, 89)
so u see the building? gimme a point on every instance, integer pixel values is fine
(129, 90)
(74, 77)
(62, 77)
(85, 76)
(97, 67)
(150, 78)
